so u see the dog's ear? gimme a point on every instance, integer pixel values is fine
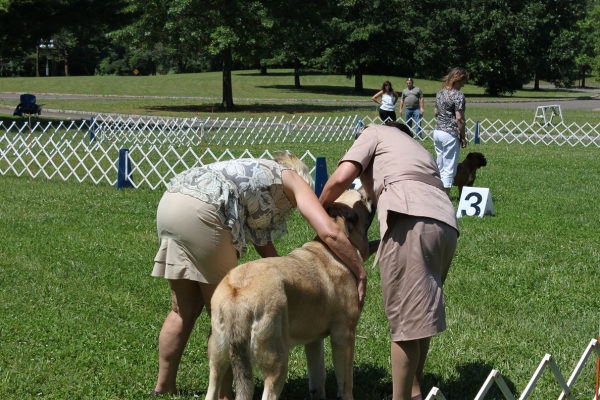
(345, 216)
(351, 218)
(470, 155)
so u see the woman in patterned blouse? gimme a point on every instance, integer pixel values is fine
(449, 133)
(205, 220)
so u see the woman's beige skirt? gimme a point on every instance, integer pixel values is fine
(194, 244)
(415, 255)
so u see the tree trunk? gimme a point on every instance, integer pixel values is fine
(263, 70)
(297, 67)
(227, 89)
(358, 79)
(536, 84)
(37, 61)
(583, 78)
(66, 64)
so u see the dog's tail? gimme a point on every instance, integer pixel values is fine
(236, 318)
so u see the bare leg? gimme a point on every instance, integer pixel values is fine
(226, 388)
(408, 361)
(187, 303)
(423, 350)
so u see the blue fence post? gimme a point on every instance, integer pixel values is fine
(124, 170)
(476, 139)
(92, 129)
(320, 175)
(359, 127)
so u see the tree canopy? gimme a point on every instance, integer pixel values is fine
(503, 43)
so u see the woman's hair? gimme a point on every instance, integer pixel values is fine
(456, 75)
(291, 161)
(400, 126)
(387, 83)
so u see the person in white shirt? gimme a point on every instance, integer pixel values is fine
(387, 108)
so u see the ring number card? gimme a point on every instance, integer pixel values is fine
(475, 201)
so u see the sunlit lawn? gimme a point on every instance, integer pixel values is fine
(80, 313)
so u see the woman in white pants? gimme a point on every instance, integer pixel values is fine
(449, 133)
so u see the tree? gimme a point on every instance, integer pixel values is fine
(548, 22)
(297, 36)
(27, 22)
(588, 57)
(495, 48)
(230, 28)
(359, 38)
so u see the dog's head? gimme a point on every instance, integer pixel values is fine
(477, 159)
(353, 211)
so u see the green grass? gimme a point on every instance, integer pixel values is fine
(190, 95)
(277, 84)
(81, 314)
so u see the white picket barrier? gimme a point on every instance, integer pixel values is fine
(193, 132)
(160, 146)
(547, 361)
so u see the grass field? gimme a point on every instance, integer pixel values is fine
(191, 95)
(81, 315)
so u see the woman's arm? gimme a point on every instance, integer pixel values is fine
(268, 250)
(303, 197)
(376, 96)
(395, 97)
(460, 121)
(339, 181)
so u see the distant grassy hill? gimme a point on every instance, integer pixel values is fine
(256, 95)
(277, 84)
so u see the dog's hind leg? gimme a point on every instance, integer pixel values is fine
(315, 360)
(342, 350)
(274, 374)
(219, 362)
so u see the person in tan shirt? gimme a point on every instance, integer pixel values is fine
(419, 232)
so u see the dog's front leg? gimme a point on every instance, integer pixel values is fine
(342, 350)
(315, 361)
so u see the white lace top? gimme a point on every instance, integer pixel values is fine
(249, 193)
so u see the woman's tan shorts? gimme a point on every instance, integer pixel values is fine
(194, 244)
(415, 255)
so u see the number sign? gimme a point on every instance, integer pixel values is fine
(475, 201)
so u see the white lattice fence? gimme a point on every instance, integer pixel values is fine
(515, 132)
(495, 377)
(156, 166)
(70, 154)
(159, 147)
(194, 132)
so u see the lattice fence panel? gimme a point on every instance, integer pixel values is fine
(154, 167)
(223, 132)
(161, 146)
(593, 348)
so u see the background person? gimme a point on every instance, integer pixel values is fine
(387, 103)
(418, 239)
(412, 99)
(449, 132)
(204, 221)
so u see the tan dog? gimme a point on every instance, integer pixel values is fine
(466, 172)
(264, 308)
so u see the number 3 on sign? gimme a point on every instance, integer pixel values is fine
(475, 201)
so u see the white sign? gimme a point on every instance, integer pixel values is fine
(475, 201)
